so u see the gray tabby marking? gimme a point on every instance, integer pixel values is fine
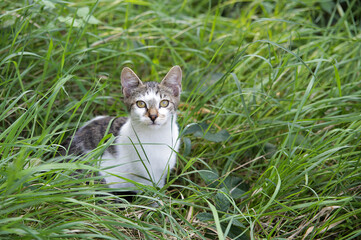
(89, 136)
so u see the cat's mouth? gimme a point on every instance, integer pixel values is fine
(154, 124)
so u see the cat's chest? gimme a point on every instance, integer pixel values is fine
(152, 144)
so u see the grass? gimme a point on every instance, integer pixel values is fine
(270, 117)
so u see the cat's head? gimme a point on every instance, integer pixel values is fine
(152, 103)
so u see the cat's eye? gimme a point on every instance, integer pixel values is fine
(140, 104)
(164, 103)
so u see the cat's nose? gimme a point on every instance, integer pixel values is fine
(153, 117)
(153, 114)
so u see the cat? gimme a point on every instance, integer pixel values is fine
(146, 142)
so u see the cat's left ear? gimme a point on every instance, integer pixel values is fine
(173, 80)
(129, 81)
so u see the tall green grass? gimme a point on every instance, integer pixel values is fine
(270, 117)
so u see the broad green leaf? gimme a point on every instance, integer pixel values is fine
(83, 12)
(200, 130)
(210, 177)
(222, 202)
(187, 146)
(70, 21)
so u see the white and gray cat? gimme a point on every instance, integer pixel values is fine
(146, 142)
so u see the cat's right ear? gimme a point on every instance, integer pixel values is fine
(129, 81)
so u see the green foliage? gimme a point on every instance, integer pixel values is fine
(270, 117)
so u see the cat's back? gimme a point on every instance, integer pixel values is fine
(88, 137)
